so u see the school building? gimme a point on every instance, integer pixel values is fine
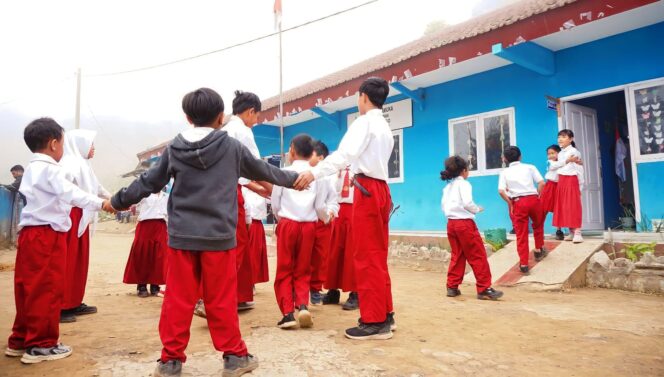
(511, 77)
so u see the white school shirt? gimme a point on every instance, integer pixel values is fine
(303, 206)
(457, 201)
(154, 207)
(240, 132)
(366, 146)
(564, 168)
(329, 192)
(551, 172)
(340, 186)
(50, 195)
(255, 205)
(519, 179)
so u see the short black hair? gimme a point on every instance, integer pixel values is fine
(454, 166)
(303, 145)
(244, 101)
(202, 106)
(376, 89)
(40, 132)
(512, 154)
(555, 147)
(17, 168)
(321, 149)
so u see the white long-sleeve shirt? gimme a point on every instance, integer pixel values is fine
(240, 132)
(256, 205)
(50, 195)
(366, 146)
(561, 166)
(303, 206)
(519, 179)
(340, 186)
(329, 192)
(457, 201)
(154, 207)
(551, 172)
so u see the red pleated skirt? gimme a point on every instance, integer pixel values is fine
(148, 256)
(258, 252)
(340, 262)
(548, 196)
(568, 212)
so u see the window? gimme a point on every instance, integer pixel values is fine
(482, 138)
(647, 112)
(395, 164)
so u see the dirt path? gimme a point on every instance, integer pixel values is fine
(580, 333)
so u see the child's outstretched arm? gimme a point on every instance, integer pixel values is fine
(259, 170)
(72, 194)
(150, 182)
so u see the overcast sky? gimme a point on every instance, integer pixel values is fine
(45, 41)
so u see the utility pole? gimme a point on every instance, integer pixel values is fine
(77, 122)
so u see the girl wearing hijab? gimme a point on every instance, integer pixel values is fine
(79, 149)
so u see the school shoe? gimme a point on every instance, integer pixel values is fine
(569, 237)
(287, 322)
(67, 316)
(490, 294)
(331, 297)
(453, 292)
(315, 297)
(541, 254)
(304, 317)
(84, 309)
(34, 355)
(10, 352)
(352, 303)
(370, 331)
(524, 270)
(391, 321)
(235, 366)
(247, 305)
(560, 235)
(578, 238)
(169, 368)
(142, 291)
(154, 290)
(199, 310)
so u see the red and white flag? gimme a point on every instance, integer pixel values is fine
(277, 14)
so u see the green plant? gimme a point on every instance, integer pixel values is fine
(645, 224)
(635, 251)
(497, 245)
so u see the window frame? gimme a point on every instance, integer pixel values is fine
(400, 179)
(479, 133)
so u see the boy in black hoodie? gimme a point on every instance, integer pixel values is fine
(202, 211)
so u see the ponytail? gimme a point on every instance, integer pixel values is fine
(454, 166)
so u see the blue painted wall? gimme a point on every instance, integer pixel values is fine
(651, 189)
(596, 65)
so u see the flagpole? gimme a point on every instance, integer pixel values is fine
(281, 100)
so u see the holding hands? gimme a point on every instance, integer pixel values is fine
(107, 207)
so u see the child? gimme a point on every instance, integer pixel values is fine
(147, 259)
(550, 190)
(367, 146)
(523, 203)
(296, 232)
(79, 149)
(39, 276)
(341, 268)
(202, 222)
(568, 211)
(256, 207)
(465, 240)
(323, 228)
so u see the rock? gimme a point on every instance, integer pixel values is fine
(660, 260)
(449, 357)
(622, 266)
(599, 261)
(647, 259)
(331, 333)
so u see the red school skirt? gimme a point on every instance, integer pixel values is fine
(568, 212)
(147, 259)
(549, 196)
(258, 251)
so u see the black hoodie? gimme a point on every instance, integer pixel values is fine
(202, 207)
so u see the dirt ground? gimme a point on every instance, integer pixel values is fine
(586, 332)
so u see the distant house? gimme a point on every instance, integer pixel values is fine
(146, 158)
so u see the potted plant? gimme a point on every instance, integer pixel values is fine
(627, 221)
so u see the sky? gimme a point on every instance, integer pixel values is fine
(44, 42)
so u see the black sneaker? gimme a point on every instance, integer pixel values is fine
(524, 270)
(154, 290)
(369, 331)
(287, 322)
(352, 303)
(169, 368)
(512, 231)
(84, 309)
(304, 317)
(142, 291)
(315, 297)
(331, 297)
(560, 236)
(34, 355)
(453, 292)
(541, 254)
(67, 316)
(390, 320)
(235, 366)
(490, 294)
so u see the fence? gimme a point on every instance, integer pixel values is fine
(9, 215)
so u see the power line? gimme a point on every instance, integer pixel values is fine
(265, 36)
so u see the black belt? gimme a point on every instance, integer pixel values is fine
(357, 184)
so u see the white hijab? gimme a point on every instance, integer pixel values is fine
(78, 144)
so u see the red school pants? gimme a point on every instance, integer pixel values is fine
(78, 261)
(526, 208)
(258, 252)
(295, 243)
(245, 275)
(370, 244)
(214, 273)
(320, 254)
(467, 245)
(38, 287)
(340, 261)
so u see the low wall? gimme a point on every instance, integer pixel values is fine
(646, 275)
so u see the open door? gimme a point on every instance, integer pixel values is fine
(583, 122)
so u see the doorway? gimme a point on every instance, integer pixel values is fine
(602, 135)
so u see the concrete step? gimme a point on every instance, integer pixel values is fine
(564, 267)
